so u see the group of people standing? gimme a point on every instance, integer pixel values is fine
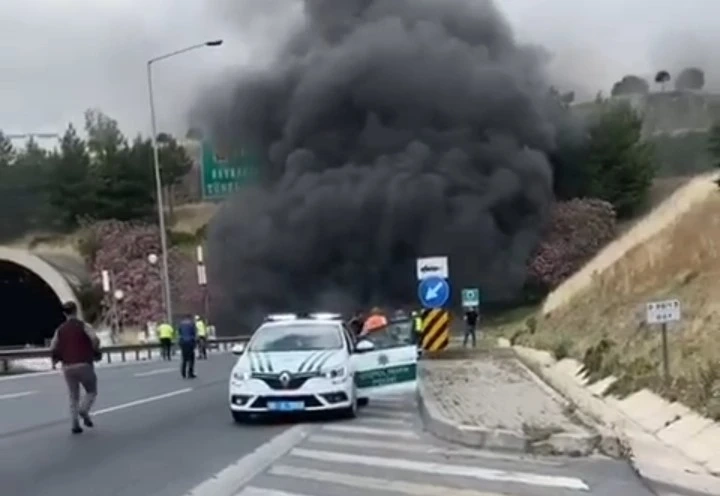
(376, 320)
(191, 334)
(77, 347)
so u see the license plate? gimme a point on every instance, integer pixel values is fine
(286, 406)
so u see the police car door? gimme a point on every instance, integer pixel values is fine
(391, 366)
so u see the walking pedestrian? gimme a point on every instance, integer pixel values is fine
(165, 333)
(471, 320)
(187, 339)
(77, 347)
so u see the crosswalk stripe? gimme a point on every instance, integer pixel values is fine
(383, 421)
(396, 414)
(392, 404)
(373, 431)
(428, 449)
(261, 491)
(443, 469)
(368, 443)
(370, 483)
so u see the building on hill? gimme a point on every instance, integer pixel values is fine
(668, 112)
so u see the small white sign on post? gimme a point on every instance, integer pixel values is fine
(105, 281)
(202, 275)
(432, 267)
(662, 312)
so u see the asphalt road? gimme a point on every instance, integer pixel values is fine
(155, 432)
(384, 452)
(160, 435)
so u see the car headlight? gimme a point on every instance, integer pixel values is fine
(241, 376)
(336, 373)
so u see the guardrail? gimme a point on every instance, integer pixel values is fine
(146, 349)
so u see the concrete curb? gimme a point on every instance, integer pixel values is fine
(610, 442)
(568, 444)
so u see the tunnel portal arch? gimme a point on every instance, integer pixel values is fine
(42, 282)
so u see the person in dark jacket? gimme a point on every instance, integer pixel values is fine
(77, 347)
(187, 339)
(471, 321)
(356, 323)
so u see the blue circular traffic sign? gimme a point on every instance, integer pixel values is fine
(433, 292)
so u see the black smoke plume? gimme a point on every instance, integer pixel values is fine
(390, 129)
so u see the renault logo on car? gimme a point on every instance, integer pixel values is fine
(285, 379)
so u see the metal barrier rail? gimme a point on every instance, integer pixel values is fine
(7, 355)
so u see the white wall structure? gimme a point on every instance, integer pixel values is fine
(52, 277)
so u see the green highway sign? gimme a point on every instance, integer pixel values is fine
(223, 175)
(470, 297)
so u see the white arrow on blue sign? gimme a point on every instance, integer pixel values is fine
(433, 292)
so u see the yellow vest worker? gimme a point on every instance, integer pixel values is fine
(201, 329)
(165, 331)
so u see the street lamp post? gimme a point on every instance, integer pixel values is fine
(158, 177)
(202, 282)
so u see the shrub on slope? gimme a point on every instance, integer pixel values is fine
(577, 231)
(123, 248)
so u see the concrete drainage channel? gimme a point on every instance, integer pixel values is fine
(581, 436)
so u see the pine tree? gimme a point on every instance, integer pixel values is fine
(620, 164)
(7, 151)
(71, 186)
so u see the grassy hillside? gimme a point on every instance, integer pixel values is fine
(603, 325)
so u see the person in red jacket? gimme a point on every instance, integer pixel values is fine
(77, 347)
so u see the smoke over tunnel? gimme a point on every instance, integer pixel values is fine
(389, 129)
(31, 294)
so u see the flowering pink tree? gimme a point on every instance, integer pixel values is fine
(122, 248)
(577, 231)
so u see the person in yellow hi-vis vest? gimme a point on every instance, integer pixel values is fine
(201, 337)
(417, 327)
(166, 333)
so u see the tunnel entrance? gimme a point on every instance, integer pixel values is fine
(31, 311)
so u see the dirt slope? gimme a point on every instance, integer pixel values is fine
(598, 314)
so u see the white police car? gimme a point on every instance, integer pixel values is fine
(313, 364)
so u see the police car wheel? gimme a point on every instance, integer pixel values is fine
(350, 412)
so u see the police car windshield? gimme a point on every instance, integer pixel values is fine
(296, 337)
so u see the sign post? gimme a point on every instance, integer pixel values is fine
(470, 297)
(663, 312)
(434, 293)
(432, 267)
(221, 176)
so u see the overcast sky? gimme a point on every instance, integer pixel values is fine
(59, 57)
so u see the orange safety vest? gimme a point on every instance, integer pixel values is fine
(374, 322)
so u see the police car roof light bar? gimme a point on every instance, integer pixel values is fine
(282, 316)
(325, 316)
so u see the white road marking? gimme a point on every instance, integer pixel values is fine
(428, 449)
(369, 483)
(142, 401)
(380, 413)
(363, 420)
(154, 372)
(10, 396)
(228, 481)
(259, 491)
(443, 469)
(373, 431)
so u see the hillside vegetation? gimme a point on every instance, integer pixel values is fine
(602, 324)
(677, 123)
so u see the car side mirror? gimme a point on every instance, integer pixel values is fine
(364, 346)
(238, 349)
